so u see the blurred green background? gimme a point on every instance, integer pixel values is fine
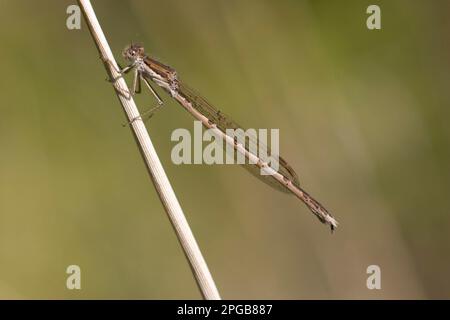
(362, 117)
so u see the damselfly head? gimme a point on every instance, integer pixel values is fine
(133, 51)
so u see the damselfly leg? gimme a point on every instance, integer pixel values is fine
(137, 77)
(136, 83)
(137, 89)
(121, 71)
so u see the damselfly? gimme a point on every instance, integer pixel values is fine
(148, 69)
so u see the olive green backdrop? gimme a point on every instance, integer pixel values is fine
(362, 117)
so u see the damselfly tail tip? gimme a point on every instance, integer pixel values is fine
(321, 213)
(332, 222)
(326, 218)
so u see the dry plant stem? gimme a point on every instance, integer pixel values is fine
(159, 178)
